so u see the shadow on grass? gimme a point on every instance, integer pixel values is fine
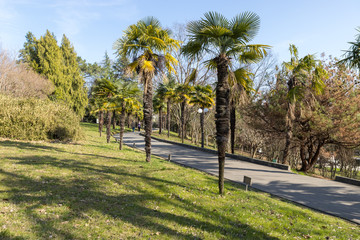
(81, 196)
(34, 146)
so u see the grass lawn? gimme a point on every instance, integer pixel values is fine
(91, 190)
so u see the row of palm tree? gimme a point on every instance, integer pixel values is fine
(185, 94)
(223, 41)
(115, 97)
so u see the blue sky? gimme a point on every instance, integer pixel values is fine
(93, 26)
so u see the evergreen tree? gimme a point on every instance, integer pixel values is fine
(51, 66)
(59, 65)
(72, 75)
(29, 53)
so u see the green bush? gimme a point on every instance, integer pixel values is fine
(37, 119)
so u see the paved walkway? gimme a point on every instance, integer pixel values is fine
(332, 197)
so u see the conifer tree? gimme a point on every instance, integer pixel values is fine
(72, 75)
(51, 66)
(59, 65)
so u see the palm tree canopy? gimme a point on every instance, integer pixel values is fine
(127, 97)
(149, 45)
(203, 96)
(217, 35)
(303, 73)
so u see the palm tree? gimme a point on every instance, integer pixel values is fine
(203, 97)
(352, 56)
(183, 92)
(150, 45)
(96, 104)
(159, 105)
(300, 74)
(224, 40)
(170, 95)
(106, 90)
(126, 101)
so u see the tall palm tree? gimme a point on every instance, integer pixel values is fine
(203, 97)
(150, 45)
(183, 91)
(300, 74)
(170, 96)
(225, 40)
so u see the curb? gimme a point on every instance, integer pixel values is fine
(234, 156)
(347, 180)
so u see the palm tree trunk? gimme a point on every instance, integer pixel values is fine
(222, 114)
(148, 109)
(168, 117)
(202, 114)
(108, 126)
(114, 120)
(232, 126)
(122, 127)
(182, 121)
(128, 120)
(101, 121)
(160, 119)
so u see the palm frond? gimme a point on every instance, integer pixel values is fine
(245, 26)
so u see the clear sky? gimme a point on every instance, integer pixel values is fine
(314, 26)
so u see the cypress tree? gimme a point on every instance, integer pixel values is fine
(72, 74)
(51, 66)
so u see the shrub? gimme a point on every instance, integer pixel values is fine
(20, 81)
(37, 119)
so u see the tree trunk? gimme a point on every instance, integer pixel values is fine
(108, 126)
(289, 129)
(222, 114)
(114, 120)
(232, 125)
(202, 115)
(122, 127)
(101, 121)
(183, 121)
(307, 162)
(160, 119)
(168, 117)
(148, 110)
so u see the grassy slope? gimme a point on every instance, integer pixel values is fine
(90, 190)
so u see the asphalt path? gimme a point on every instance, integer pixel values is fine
(335, 198)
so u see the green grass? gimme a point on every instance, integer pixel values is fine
(91, 190)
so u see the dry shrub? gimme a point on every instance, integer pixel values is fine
(37, 119)
(20, 81)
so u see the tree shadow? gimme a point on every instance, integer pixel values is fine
(81, 196)
(27, 145)
(329, 199)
